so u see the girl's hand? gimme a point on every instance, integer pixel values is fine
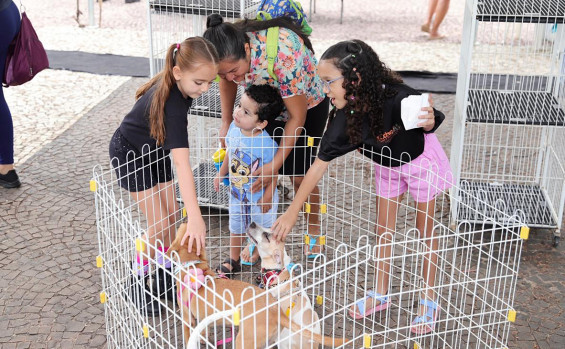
(428, 120)
(196, 234)
(217, 180)
(263, 177)
(284, 224)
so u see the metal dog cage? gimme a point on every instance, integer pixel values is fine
(509, 113)
(477, 268)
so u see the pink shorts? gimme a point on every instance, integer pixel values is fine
(425, 177)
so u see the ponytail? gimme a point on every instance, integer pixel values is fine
(184, 55)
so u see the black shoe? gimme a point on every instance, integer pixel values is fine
(163, 284)
(140, 294)
(10, 180)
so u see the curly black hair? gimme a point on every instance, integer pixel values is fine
(269, 99)
(364, 75)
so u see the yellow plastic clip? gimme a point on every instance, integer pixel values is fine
(145, 331)
(102, 297)
(323, 208)
(183, 212)
(310, 141)
(139, 245)
(512, 315)
(416, 345)
(219, 155)
(236, 317)
(307, 239)
(366, 341)
(524, 233)
(92, 185)
(307, 207)
(99, 262)
(322, 240)
(319, 300)
(288, 309)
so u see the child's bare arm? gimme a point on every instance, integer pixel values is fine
(283, 225)
(224, 168)
(197, 228)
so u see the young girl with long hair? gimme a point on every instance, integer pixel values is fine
(367, 102)
(154, 128)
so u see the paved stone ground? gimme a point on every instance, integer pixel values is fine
(48, 281)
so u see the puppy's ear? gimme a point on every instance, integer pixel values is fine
(175, 246)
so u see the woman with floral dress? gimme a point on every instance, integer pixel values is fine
(242, 48)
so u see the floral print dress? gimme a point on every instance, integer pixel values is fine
(295, 67)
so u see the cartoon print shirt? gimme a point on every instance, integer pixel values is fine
(245, 155)
(295, 67)
(386, 149)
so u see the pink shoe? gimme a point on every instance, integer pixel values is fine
(384, 303)
(426, 323)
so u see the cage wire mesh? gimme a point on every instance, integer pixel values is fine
(509, 113)
(172, 21)
(477, 264)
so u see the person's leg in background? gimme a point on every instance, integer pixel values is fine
(436, 14)
(441, 11)
(9, 28)
(432, 5)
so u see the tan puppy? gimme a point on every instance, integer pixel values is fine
(258, 324)
(293, 299)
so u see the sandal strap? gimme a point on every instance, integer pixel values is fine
(428, 303)
(235, 265)
(370, 294)
(251, 250)
(428, 317)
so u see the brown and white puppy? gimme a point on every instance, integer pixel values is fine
(292, 298)
(259, 324)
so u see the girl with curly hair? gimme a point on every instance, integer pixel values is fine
(367, 96)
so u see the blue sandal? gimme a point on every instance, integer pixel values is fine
(311, 245)
(251, 250)
(360, 304)
(426, 323)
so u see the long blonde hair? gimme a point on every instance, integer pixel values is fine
(184, 55)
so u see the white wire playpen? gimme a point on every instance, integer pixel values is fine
(477, 269)
(509, 113)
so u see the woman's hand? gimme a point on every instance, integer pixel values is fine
(222, 133)
(263, 177)
(284, 224)
(428, 120)
(196, 234)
